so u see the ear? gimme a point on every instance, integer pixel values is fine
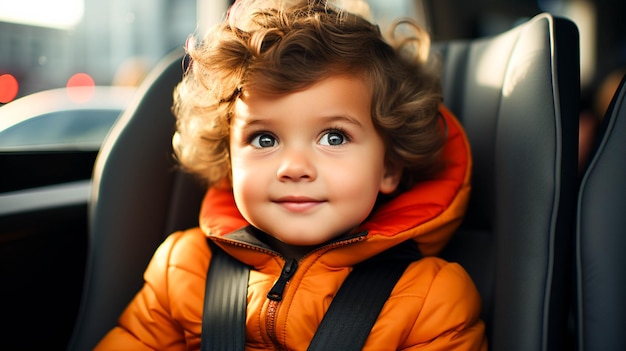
(391, 178)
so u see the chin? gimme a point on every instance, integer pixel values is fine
(304, 243)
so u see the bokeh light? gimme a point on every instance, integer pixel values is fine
(80, 87)
(8, 88)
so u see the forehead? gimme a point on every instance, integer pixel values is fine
(336, 95)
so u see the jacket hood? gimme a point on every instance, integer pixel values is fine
(428, 213)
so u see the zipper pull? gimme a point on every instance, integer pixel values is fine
(276, 293)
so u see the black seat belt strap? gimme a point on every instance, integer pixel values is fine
(345, 326)
(355, 309)
(225, 301)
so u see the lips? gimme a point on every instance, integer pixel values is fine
(298, 204)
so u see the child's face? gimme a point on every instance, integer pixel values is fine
(308, 166)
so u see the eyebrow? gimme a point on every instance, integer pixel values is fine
(345, 118)
(251, 121)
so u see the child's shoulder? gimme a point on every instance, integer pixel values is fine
(434, 275)
(184, 248)
(445, 295)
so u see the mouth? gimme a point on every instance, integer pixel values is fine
(298, 204)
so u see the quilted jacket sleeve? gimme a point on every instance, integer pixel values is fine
(450, 315)
(148, 323)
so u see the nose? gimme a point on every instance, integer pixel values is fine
(296, 165)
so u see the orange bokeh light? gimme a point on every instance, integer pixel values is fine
(8, 88)
(80, 87)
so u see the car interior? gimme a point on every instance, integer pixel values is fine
(523, 131)
(599, 237)
(516, 241)
(542, 237)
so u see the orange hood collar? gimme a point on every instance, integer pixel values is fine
(429, 213)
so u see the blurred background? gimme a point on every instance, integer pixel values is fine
(44, 43)
(55, 44)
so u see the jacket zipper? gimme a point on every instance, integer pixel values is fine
(275, 295)
(289, 269)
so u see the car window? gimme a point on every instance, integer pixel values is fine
(385, 11)
(86, 128)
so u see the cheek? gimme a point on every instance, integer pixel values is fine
(240, 166)
(355, 179)
(240, 177)
(243, 193)
(236, 168)
(249, 180)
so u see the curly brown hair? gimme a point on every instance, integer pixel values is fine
(280, 47)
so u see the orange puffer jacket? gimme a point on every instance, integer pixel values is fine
(434, 305)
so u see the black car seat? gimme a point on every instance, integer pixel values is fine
(138, 197)
(601, 237)
(517, 95)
